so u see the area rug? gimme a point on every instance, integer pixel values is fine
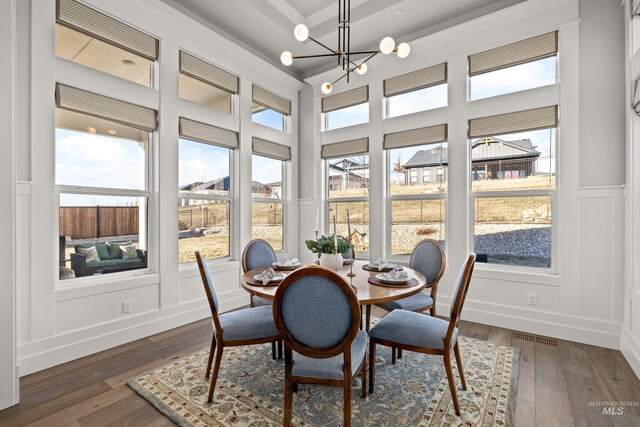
(413, 392)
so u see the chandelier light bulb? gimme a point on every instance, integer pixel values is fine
(301, 32)
(387, 45)
(403, 50)
(286, 58)
(361, 69)
(326, 88)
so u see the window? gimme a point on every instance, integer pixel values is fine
(204, 208)
(525, 64)
(269, 109)
(93, 39)
(417, 208)
(267, 208)
(206, 84)
(513, 181)
(347, 184)
(346, 109)
(102, 181)
(420, 90)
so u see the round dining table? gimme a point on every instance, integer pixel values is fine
(367, 293)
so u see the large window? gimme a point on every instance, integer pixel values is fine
(346, 109)
(420, 90)
(348, 189)
(525, 64)
(204, 209)
(267, 208)
(95, 40)
(417, 192)
(513, 181)
(102, 181)
(206, 84)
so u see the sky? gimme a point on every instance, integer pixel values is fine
(118, 163)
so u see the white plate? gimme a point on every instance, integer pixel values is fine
(382, 277)
(277, 264)
(276, 278)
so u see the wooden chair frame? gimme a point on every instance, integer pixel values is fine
(218, 343)
(460, 297)
(291, 344)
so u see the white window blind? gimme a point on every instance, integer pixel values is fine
(419, 79)
(519, 121)
(207, 73)
(270, 149)
(413, 137)
(520, 52)
(103, 27)
(82, 101)
(209, 134)
(271, 100)
(345, 99)
(345, 148)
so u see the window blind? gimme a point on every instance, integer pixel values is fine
(270, 149)
(413, 137)
(207, 73)
(520, 52)
(203, 132)
(104, 107)
(419, 79)
(270, 100)
(345, 148)
(345, 99)
(100, 26)
(519, 121)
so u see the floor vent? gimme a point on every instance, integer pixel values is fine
(535, 338)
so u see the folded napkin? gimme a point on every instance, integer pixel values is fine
(381, 264)
(267, 276)
(395, 275)
(288, 262)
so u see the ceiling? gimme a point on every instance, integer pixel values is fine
(265, 27)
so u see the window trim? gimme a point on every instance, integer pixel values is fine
(282, 200)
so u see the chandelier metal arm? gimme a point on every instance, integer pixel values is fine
(321, 44)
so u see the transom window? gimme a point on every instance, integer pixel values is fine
(206, 84)
(269, 109)
(346, 109)
(420, 90)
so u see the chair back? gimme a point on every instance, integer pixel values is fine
(460, 292)
(316, 313)
(257, 253)
(428, 258)
(205, 274)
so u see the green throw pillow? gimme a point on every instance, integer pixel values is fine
(103, 251)
(114, 249)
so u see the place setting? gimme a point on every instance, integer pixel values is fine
(268, 277)
(381, 264)
(393, 278)
(286, 264)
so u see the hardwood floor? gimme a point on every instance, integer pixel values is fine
(555, 384)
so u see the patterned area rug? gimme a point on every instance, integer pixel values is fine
(413, 392)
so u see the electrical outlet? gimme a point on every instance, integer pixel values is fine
(532, 299)
(127, 307)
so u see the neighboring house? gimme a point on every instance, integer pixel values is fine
(492, 158)
(348, 173)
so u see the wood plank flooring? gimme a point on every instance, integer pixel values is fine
(555, 384)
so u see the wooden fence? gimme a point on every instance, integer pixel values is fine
(85, 222)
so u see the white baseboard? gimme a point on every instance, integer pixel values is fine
(630, 347)
(52, 351)
(570, 328)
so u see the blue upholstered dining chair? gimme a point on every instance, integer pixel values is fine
(318, 317)
(241, 327)
(428, 258)
(425, 334)
(257, 253)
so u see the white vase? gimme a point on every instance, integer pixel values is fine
(331, 261)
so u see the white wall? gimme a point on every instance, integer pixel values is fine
(62, 320)
(582, 298)
(9, 387)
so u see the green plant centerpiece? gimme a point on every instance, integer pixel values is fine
(326, 245)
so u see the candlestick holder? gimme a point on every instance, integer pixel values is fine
(351, 273)
(317, 253)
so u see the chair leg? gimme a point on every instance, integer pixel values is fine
(372, 365)
(452, 386)
(347, 402)
(363, 377)
(393, 355)
(288, 389)
(211, 352)
(368, 311)
(432, 310)
(216, 370)
(273, 350)
(456, 351)
(279, 349)
(399, 353)
(251, 303)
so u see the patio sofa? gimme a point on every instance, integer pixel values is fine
(110, 259)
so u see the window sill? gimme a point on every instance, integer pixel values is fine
(103, 284)
(516, 274)
(190, 269)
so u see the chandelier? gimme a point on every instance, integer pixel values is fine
(343, 51)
